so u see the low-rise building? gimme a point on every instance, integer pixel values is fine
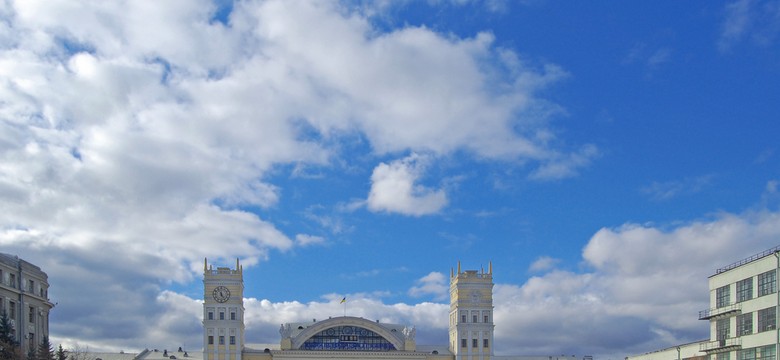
(24, 298)
(742, 315)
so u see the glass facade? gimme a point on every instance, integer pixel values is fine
(766, 319)
(722, 329)
(745, 324)
(745, 289)
(767, 283)
(723, 296)
(347, 338)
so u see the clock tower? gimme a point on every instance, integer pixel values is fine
(471, 314)
(223, 312)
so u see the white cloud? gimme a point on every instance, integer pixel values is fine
(561, 166)
(309, 240)
(394, 188)
(650, 281)
(133, 134)
(432, 284)
(544, 263)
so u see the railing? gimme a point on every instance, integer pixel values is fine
(722, 344)
(748, 259)
(711, 313)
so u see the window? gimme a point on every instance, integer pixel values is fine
(12, 310)
(222, 340)
(767, 352)
(487, 319)
(211, 339)
(474, 343)
(463, 318)
(722, 329)
(723, 356)
(745, 324)
(232, 315)
(12, 280)
(745, 289)
(473, 318)
(222, 315)
(485, 343)
(211, 315)
(766, 283)
(31, 336)
(32, 315)
(747, 354)
(232, 340)
(463, 343)
(766, 319)
(31, 286)
(723, 296)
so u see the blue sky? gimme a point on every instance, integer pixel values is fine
(605, 157)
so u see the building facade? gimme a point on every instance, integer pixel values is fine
(223, 312)
(742, 315)
(471, 314)
(24, 298)
(470, 326)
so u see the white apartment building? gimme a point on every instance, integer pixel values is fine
(742, 315)
(24, 297)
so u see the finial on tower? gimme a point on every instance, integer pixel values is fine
(490, 268)
(205, 264)
(237, 265)
(458, 266)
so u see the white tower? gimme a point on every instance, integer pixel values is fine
(471, 314)
(223, 312)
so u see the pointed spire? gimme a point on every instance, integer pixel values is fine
(490, 268)
(205, 264)
(237, 265)
(458, 266)
(452, 273)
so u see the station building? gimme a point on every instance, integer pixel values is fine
(24, 298)
(742, 315)
(470, 326)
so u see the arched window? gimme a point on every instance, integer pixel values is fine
(347, 338)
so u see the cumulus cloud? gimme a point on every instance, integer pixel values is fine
(393, 188)
(641, 291)
(432, 284)
(544, 263)
(134, 136)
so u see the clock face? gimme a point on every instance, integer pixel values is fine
(221, 294)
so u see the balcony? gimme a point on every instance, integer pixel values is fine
(721, 311)
(721, 345)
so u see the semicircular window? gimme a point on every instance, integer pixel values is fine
(353, 338)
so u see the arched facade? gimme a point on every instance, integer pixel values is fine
(349, 333)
